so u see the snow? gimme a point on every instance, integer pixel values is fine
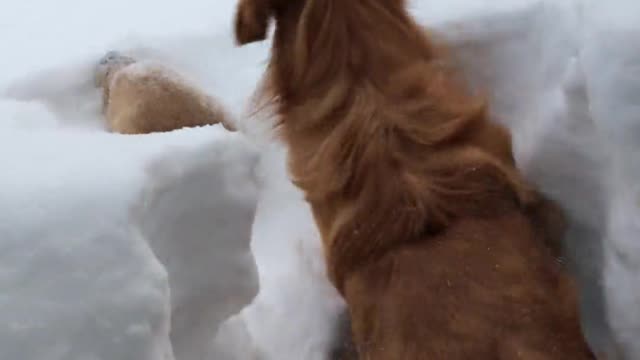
(194, 244)
(612, 61)
(529, 60)
(294, 316)
(97, 229)
(196, 214)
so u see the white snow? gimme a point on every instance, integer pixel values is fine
(197, 216)
(118, 247)
(85, 219)
(612, 62)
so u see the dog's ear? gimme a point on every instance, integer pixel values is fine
(252, 20)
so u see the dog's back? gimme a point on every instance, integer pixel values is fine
(482, 289)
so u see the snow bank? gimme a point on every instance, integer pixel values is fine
(25, 115)
(37, 34)
(294, 316)
(562, 74)
(197, 216)
(77, 283)
(93, 259)
(284, 238)
(611, 59)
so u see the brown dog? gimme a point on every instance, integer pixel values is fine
(147, 98)
(429, 231)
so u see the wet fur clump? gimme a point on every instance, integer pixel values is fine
(438, 245)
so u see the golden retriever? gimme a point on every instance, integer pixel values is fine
(437, 244)
(143, 98)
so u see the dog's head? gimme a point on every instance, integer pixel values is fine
(254, 16)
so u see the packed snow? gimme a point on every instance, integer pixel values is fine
(194, 245)
(116, 247)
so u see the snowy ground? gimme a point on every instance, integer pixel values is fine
(146, 247)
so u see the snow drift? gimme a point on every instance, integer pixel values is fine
(197, 216)
(123, 247)
(611, 59)
(562, 74)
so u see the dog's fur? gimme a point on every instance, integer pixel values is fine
(147, 98)
(436, 242)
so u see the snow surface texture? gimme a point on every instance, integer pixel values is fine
(197, 216)
(77, 283)
(564, 75)
(85, 219)
(612, 62)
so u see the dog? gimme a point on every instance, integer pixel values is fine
(438, 245)
(143, 98)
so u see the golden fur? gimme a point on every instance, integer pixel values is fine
(154, 99)
(429, 231)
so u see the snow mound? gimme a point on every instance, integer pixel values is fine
(197, 217)
(25, 115)
(612, 64)
(93, 260)
(562, 74)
